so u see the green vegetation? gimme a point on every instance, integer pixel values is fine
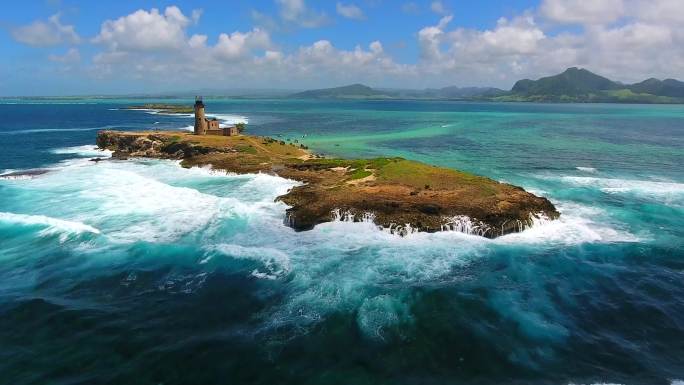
(247, 149)
(581, 86)
(240, 127)
(572, 82)
(421, 175)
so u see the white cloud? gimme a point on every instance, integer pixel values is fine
(430, 38)
(323, 62)
(519, 36)
(583, 11)
(239, 45)
(438, 7)
(46, 33)
(668, 11)
(350, 11)
(146, 30)
(639, 41)
(296, 12)
(71, 56)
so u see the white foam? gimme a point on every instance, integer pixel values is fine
(155, 200)
(666, 192)
(52, 225)
(275, 262)
(162, 212)
(464, 224)
(587, 169)
(85, 150)
(577, 224)
(225, 119)
(229, 118)
(4, 176)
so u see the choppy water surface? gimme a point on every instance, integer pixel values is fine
(144, 272)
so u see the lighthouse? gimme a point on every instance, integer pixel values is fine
(204, 126)
(200, 120)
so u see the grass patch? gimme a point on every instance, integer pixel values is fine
(247, 150)
(359, 174)
(420, 175)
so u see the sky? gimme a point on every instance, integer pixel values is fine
(71, 47)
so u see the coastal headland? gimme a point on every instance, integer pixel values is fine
(395, 193)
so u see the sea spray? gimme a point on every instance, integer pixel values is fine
(464, 224)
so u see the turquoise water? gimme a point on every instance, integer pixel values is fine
(144, 272)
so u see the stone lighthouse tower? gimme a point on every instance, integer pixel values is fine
(200, 121)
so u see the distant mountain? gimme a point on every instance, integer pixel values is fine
(574, 85)
(350, 91)
(454, 92)
(668, 87)
(574, 81)
(581, 85)
(363, 91)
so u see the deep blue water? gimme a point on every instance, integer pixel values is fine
(144, 272)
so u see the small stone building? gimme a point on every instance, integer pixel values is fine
(204, 126)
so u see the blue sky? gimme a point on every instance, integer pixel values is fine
(61, 47)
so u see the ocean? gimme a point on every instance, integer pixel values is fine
(143, 272)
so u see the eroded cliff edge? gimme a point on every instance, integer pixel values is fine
(395, 193)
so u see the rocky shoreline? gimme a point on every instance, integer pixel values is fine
(395, 193)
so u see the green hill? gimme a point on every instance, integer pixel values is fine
(581, 85)
(574, 81)
(668, 87)
(360, 91)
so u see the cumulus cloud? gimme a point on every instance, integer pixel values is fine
(239, 45)
(350, 11)
(46, 33)
(430, 38)
(298, 13)
(145, 30)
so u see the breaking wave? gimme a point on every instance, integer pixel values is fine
(50, 225)
(85, 150)
(667, 192)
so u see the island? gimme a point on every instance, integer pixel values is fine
(397, 194)
(163, 108)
